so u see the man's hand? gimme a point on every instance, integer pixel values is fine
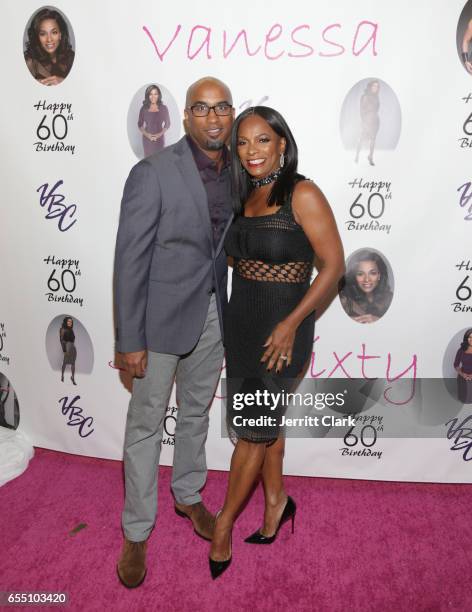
(135, 363)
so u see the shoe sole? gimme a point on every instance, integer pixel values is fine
(132, 586)
(183, 515)
(263, 542)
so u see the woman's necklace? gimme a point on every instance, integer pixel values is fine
(270, 178)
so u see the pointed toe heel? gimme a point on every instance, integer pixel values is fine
(258, 538)
(289, 513)
(218, 567)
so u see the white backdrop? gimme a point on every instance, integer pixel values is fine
(409, 46)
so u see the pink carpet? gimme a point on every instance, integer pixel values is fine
(358, 545)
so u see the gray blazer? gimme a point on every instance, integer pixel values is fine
(166, 264)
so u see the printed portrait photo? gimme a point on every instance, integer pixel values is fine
(154, 120)
(370, 120)
(49, 46)
(366, 291)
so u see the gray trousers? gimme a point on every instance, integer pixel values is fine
(196, 375)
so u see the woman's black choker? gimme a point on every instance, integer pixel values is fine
(270, 178)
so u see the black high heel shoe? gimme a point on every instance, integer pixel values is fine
(218, 567)
(288, 513)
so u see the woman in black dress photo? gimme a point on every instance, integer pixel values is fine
(370, 120)
(49, 54)
(281, 221)
(67, 339)
(9, 406)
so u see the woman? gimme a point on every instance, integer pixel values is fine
(9, 407)
(365, 292)
(281, 219)
(370, 120)
(67, 338)
(153, 121)
(49, 55)
(465, 47)
(463, 367)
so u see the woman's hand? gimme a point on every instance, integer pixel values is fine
(52, 80)
(155, 137)
(279, 343)
(367, 318)
(468, 67)
(463, 374)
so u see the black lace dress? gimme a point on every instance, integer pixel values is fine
(273, 262)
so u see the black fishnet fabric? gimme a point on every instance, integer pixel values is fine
(290, 272)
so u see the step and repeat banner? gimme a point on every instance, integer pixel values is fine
(379, 98)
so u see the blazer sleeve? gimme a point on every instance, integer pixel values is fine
(139, 218)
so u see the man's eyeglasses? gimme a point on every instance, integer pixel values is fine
(222, 109)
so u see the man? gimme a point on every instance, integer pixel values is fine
(170, 288)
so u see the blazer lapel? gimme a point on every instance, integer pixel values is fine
(188, 169)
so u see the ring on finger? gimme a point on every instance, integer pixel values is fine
(283, 357)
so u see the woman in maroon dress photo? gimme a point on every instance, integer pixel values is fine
(463, 367)
(153, 121)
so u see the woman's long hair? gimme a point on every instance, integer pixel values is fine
(64, 323)
(368, 88)
(70, 332)
(465, 340)
(33, 46)
(147, 93)
(349, 286)
(282, 188)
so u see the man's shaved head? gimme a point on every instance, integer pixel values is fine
(194, 87)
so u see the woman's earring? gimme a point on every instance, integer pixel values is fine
(282, 160)
(241, 168)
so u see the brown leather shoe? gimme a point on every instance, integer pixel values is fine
(203, 521)
(131, 567)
